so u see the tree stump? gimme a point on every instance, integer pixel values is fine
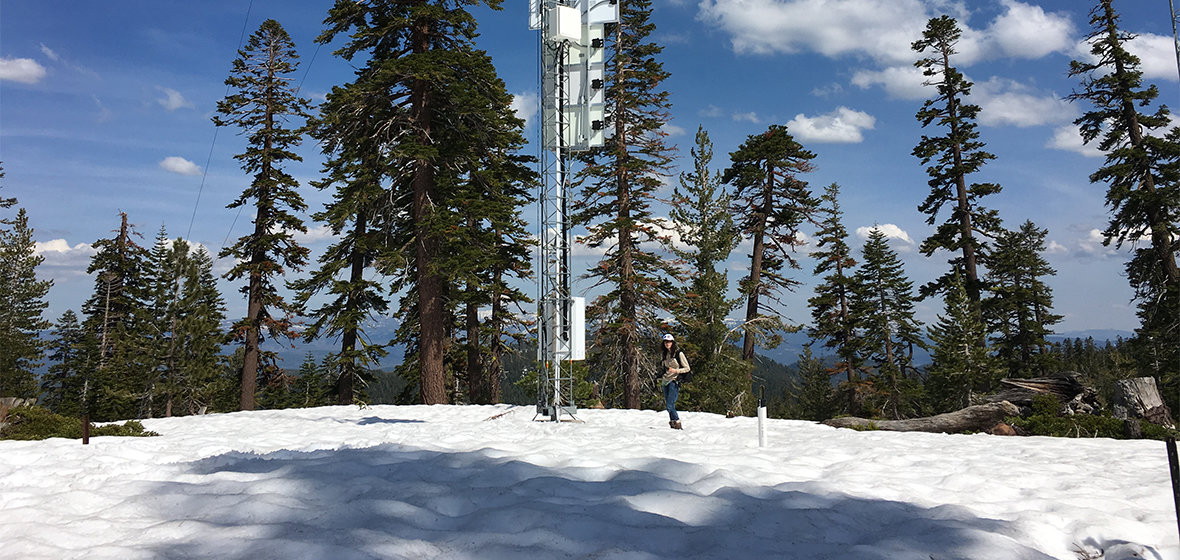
(1140, 398)
(977, 418)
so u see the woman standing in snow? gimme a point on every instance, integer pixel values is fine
(674, 364)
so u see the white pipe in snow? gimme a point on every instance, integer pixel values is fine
(762, 426)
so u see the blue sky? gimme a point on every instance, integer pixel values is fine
(105, 107)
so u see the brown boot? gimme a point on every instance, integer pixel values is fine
(675, 425)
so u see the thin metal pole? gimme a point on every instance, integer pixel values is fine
(1175, 37)
(1174, 466)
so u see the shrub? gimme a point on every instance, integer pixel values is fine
(36, 423)
(1046, 419)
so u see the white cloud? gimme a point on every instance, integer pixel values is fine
(179, 165)
(1008, 103)
(672, 130)
(104, 114)
(314, 235)
(63, 260)
(843, 125)
(1069, 139)
(748, 117)
(23, 70)
(1026, 31)
(899, 240)
(882, 30)
(1091, 245)
(173, 100)
(525, 105)
(828, 90)
(1055, 248)
(711, 111)
(48, 52)
(899, 82)
(1157, 56)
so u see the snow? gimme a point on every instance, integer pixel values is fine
(461, 482)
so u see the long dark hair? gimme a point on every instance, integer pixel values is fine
(674, 350)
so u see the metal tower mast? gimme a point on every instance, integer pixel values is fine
(572, 119)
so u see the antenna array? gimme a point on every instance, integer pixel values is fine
(573, 119)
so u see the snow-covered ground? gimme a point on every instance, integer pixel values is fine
(460, 482)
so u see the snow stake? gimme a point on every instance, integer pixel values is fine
(762, 417)
(1174, 465)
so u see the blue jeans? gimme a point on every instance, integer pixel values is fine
(671, 393)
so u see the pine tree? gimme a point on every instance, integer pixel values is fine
(22, 304)
(1142, 170)
(814, 398)
(264, 102)
(618, 185)
(952, 157)
(1019, 306)
(118, 364)
(61, 387)
(700, 215)
(883, 306)
(161, 280)
(440, 111)
(961, 366)
(198, 334)
(773, 203)
(356, 168)
(830, 312)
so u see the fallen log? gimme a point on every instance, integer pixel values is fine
(977, 418)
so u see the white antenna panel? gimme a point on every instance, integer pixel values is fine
(602, 11)
(535, 15)
(565, 24)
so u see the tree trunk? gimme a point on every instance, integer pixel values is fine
(1140, 398)
(981, 417)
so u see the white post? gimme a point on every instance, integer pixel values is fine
(762, 418)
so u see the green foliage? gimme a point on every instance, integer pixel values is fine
(700, 214)
(950, 158)
(118, 351)
(22, 302)
(1046, 419)
(36, 423)
(427, 116)
(1019, 303)
(586, 394)
(263, 100)
(883, 306)
(1142, 174)
(771, 203)
(814, 397)
(833, 321)
(618, 185)
(961, 360)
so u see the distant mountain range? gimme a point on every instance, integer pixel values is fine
(787, 353)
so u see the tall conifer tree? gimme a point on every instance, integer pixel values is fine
(618, 187)
(61, 387)
(118, 364)
(1142, 170)
(22, 305)
(952, 157)
(700, 214)
(263, 104)
(773, 203)
(833, 321)
(441, 110)
(961, 366)
(1020, 303)
(883, 304)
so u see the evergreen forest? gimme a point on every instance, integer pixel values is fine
(431, 177)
